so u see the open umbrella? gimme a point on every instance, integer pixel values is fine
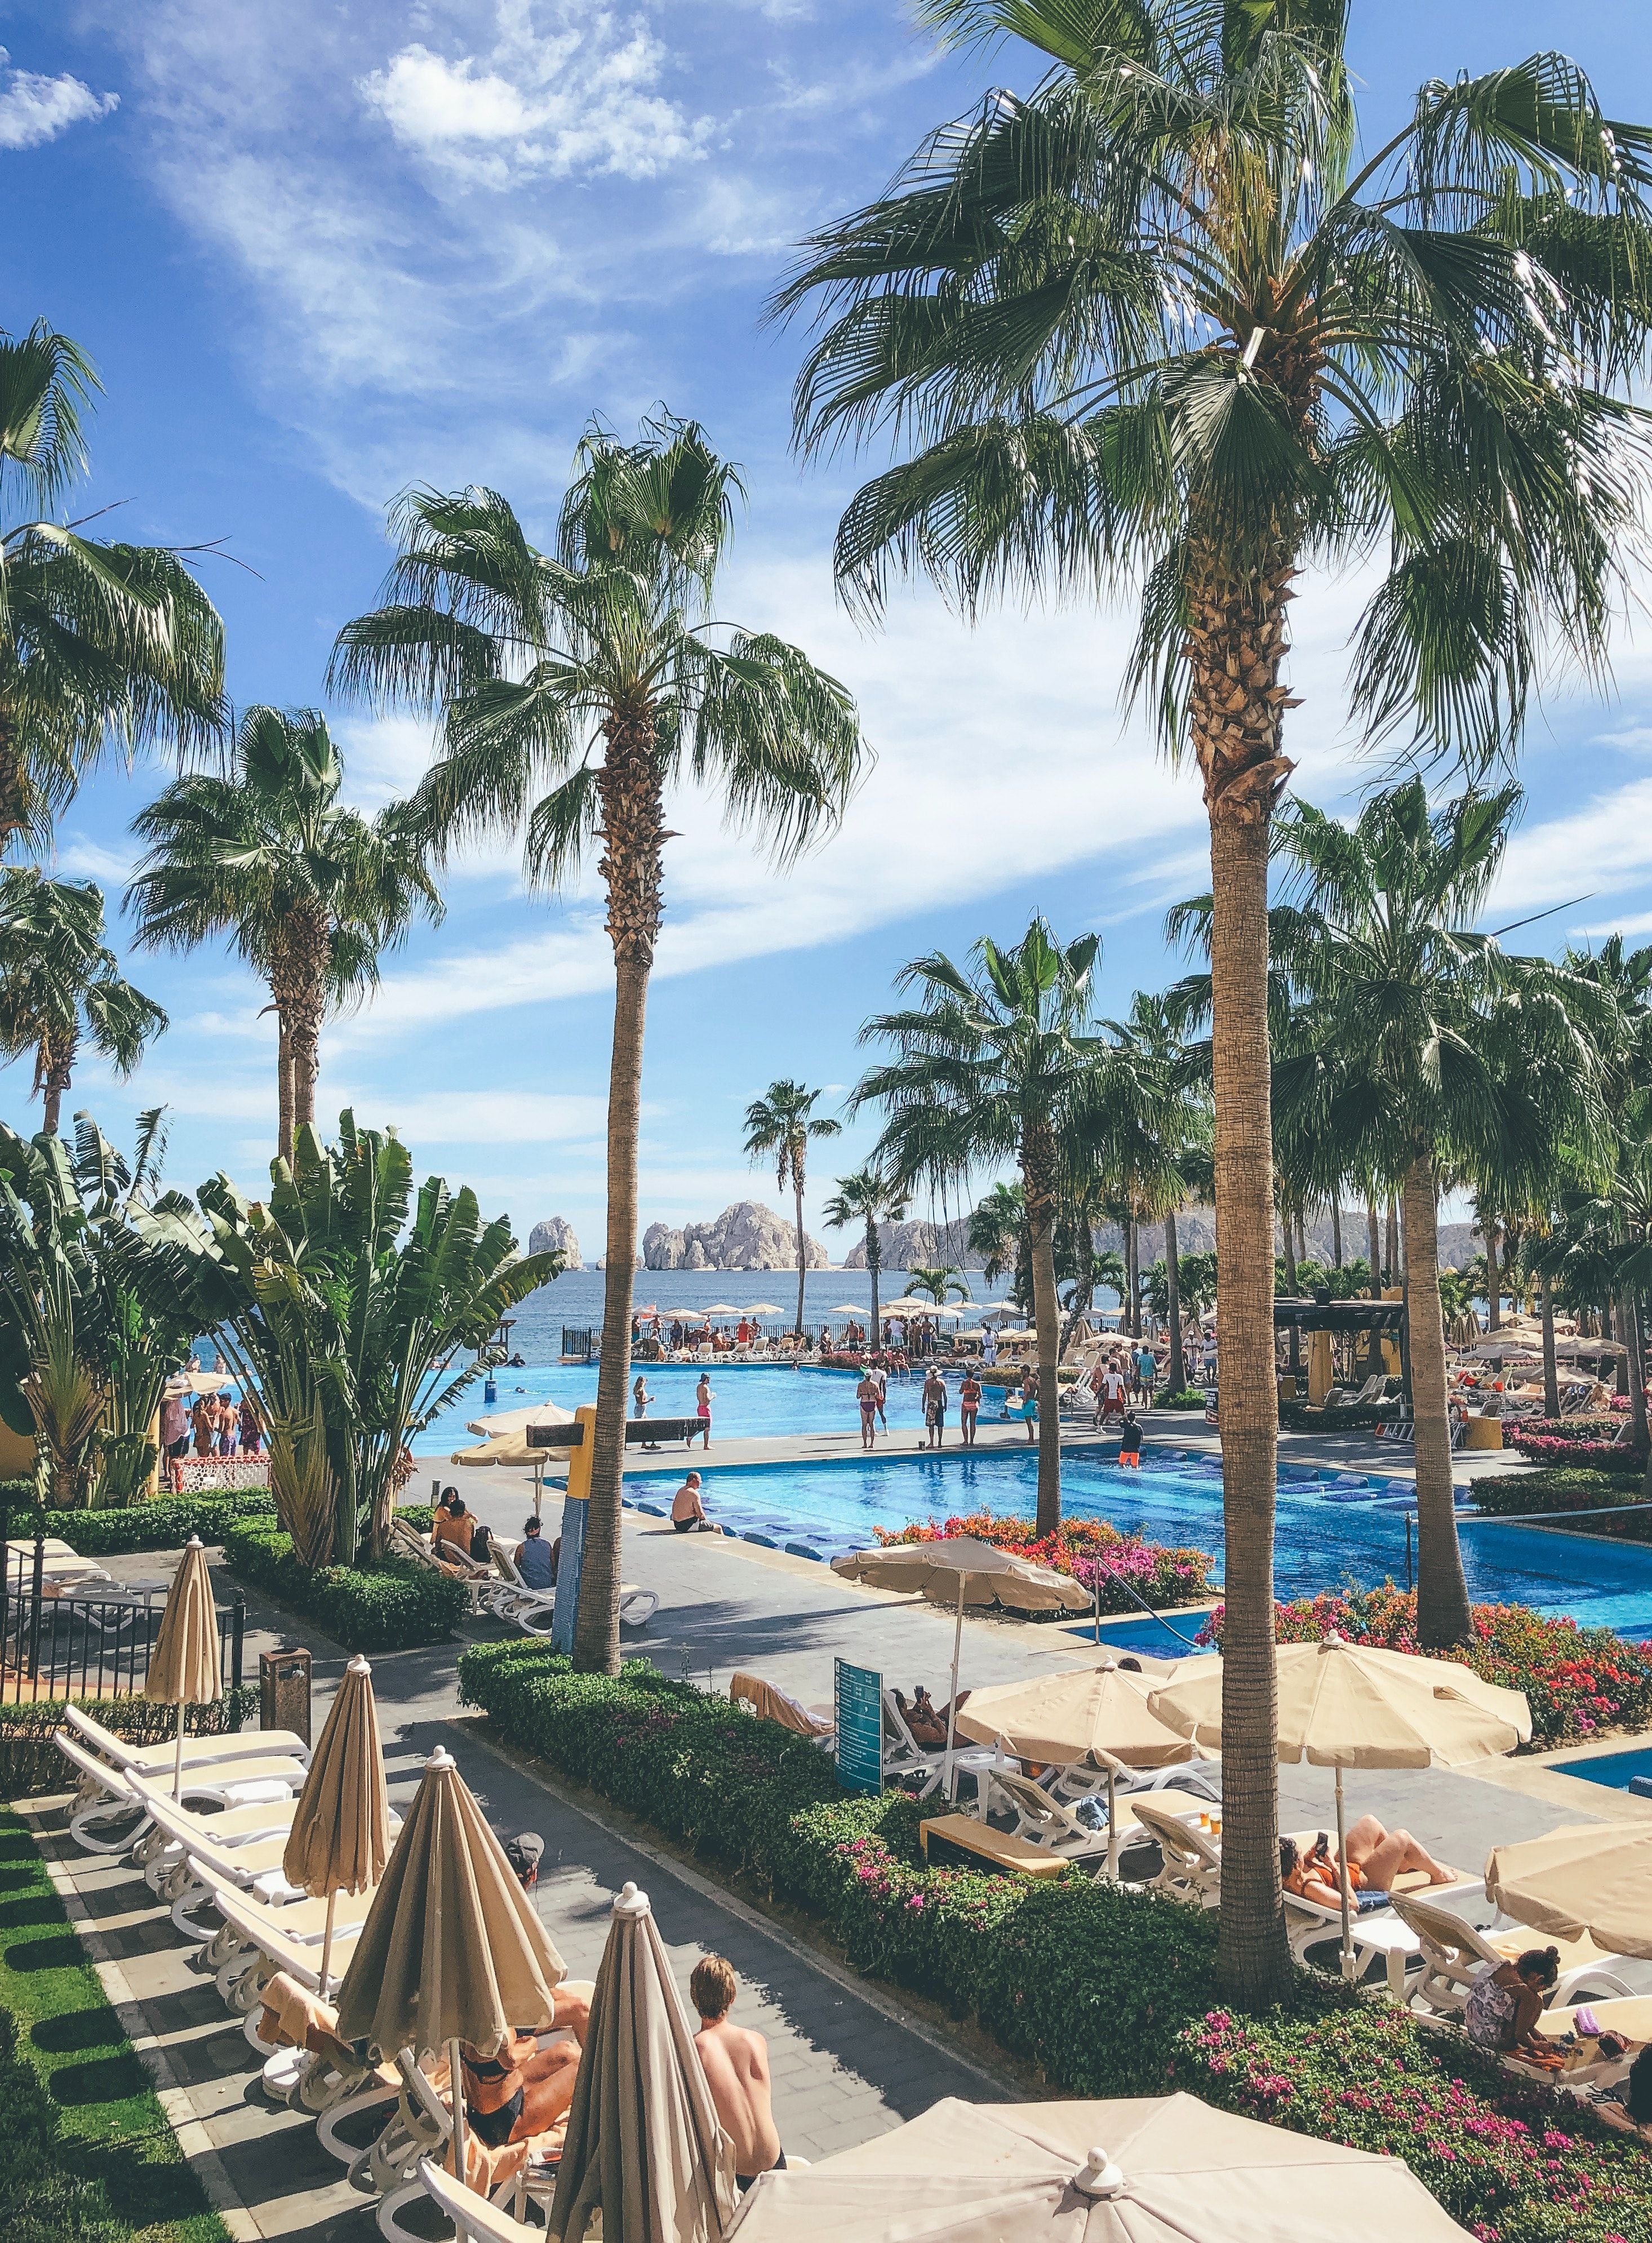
(339, 1841)
(1161, 2169)
(720, 1308)
(642, 2146)
(452, 1949)
(764, 1309)
(957, 1569)
(1353, 1705)
(1589, 1880)
(185, 1668)
(1099, 1713)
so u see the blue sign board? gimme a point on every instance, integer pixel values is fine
(859, 1693)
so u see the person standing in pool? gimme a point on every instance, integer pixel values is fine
(1130, 1441)
(640, 1399)
(1029, 1403)
(869, 1395)
(704, 1399)
(968, 1407)
(934, 1408)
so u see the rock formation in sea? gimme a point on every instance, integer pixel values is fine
(556, 1235)
(745, 1236)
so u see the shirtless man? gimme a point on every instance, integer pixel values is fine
(736, 2064)
(688, 1512)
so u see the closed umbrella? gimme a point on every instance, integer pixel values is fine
(1586, 1880)
(642, 2146)
(1099, 1713)
(452, 1949)
(959, 1570)
(185, 1668)
(339, 1841)
(1353, 1705)
(1160, 2169)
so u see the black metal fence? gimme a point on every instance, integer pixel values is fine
(580, 1344)
(64, 1636)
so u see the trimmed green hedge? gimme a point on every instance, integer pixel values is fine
(31, 1763)
(164, 1524)
(1183, 1397)
(389, 1606)
(1567, 1488)
(1109, 1992)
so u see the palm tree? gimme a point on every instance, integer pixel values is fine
(993, 1066)
(940, 1285)
(310, 891)
(1170, 1120)
(1437, 1056)
(101, 644)
(998, 1234)
(596, 672)
(1147, 327)
(780, 1122)
(871, 1197)
(61, 988)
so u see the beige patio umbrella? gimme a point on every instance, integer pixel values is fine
(452, 1949)
(959, 1570)
(642, 2146)
(1099, 1713)
(1352, 1705)
(339, 1841)
(1585, 1880)
(185, 1668)
(1158, 2169)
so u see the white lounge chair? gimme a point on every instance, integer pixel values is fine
(267, 1945)
(531, 1610)
(198, 1752)
(118, 1819)
(904, 1758)
(1455, 1951)
(1191, 1868)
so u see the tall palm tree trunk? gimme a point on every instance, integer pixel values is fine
(55, 1068)
(797, 1187)
(874, 1268)
(1173, 1303)
(1038, 1167)
(1630, 1320)
(1442, 1595)
(1390, 1261)
(1551, 1376)
(309, 1008)
(1336, 1231)
(1373, 1249)
(633, 831)
(1133, 1275)
(283, 1085)
(1289, 1254)
(1254, 1958)
(1493, 1279)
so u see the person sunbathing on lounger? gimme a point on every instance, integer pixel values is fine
(525, 2089)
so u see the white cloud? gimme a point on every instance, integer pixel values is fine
(79, 858)
(34, 109)
(1605, 847)
(577, 99)
(457, 1117)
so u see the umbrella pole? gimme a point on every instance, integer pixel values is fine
(457, 2098)
(327, 1944)
(952, 1703)
(1098, 1603)
(1342, 1880)
(178, 1757)
(1112, 1825)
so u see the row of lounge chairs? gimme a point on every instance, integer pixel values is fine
(497, 1587)
(215, 1855)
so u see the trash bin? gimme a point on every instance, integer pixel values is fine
(284, 1690)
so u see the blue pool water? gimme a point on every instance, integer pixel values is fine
(1624, 1771)
(1322, 1542)
(746, 1401)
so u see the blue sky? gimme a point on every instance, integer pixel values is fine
(320, 252)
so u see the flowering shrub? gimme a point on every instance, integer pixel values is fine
(1089, 1549)
(1577, 1680)
(1568, 1449)
(1108, 1991)
(1499, 2155)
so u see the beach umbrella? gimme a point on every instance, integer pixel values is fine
(339, 1841)
(720, 1308)
(850, 1309)
(185, 1668)
(1160, 2169)
(452, 1949)
(1586, 1880)
(643, 2144)
(959, 1570)
(1098, 1713)
(764, 1309)
(1353, 1705)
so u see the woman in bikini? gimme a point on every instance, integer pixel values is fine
(525, 2089)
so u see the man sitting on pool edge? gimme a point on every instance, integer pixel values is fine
(688, 1512)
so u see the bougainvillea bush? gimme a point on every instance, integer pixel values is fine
(1511, 2163)
(1090, 1550)
(1106, 1989)
(1550, 1448)
(1577, 1680)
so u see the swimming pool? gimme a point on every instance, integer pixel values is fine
(746, 1400)
(1622, 1771)
(1322, 1542)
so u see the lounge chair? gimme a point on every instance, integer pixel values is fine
(200, 1863)
(406, 1543)
(904, 1758)
(266, 1946)
(198, 1752)
(1454, 1951)
(1191, 1868)
(122, 1798)
(770, 1703)
(637, 1606)
(474, 2215)
(1046, 1821)
(531, 1610)
(306, 2062)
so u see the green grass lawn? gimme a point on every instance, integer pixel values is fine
(108, 2128)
